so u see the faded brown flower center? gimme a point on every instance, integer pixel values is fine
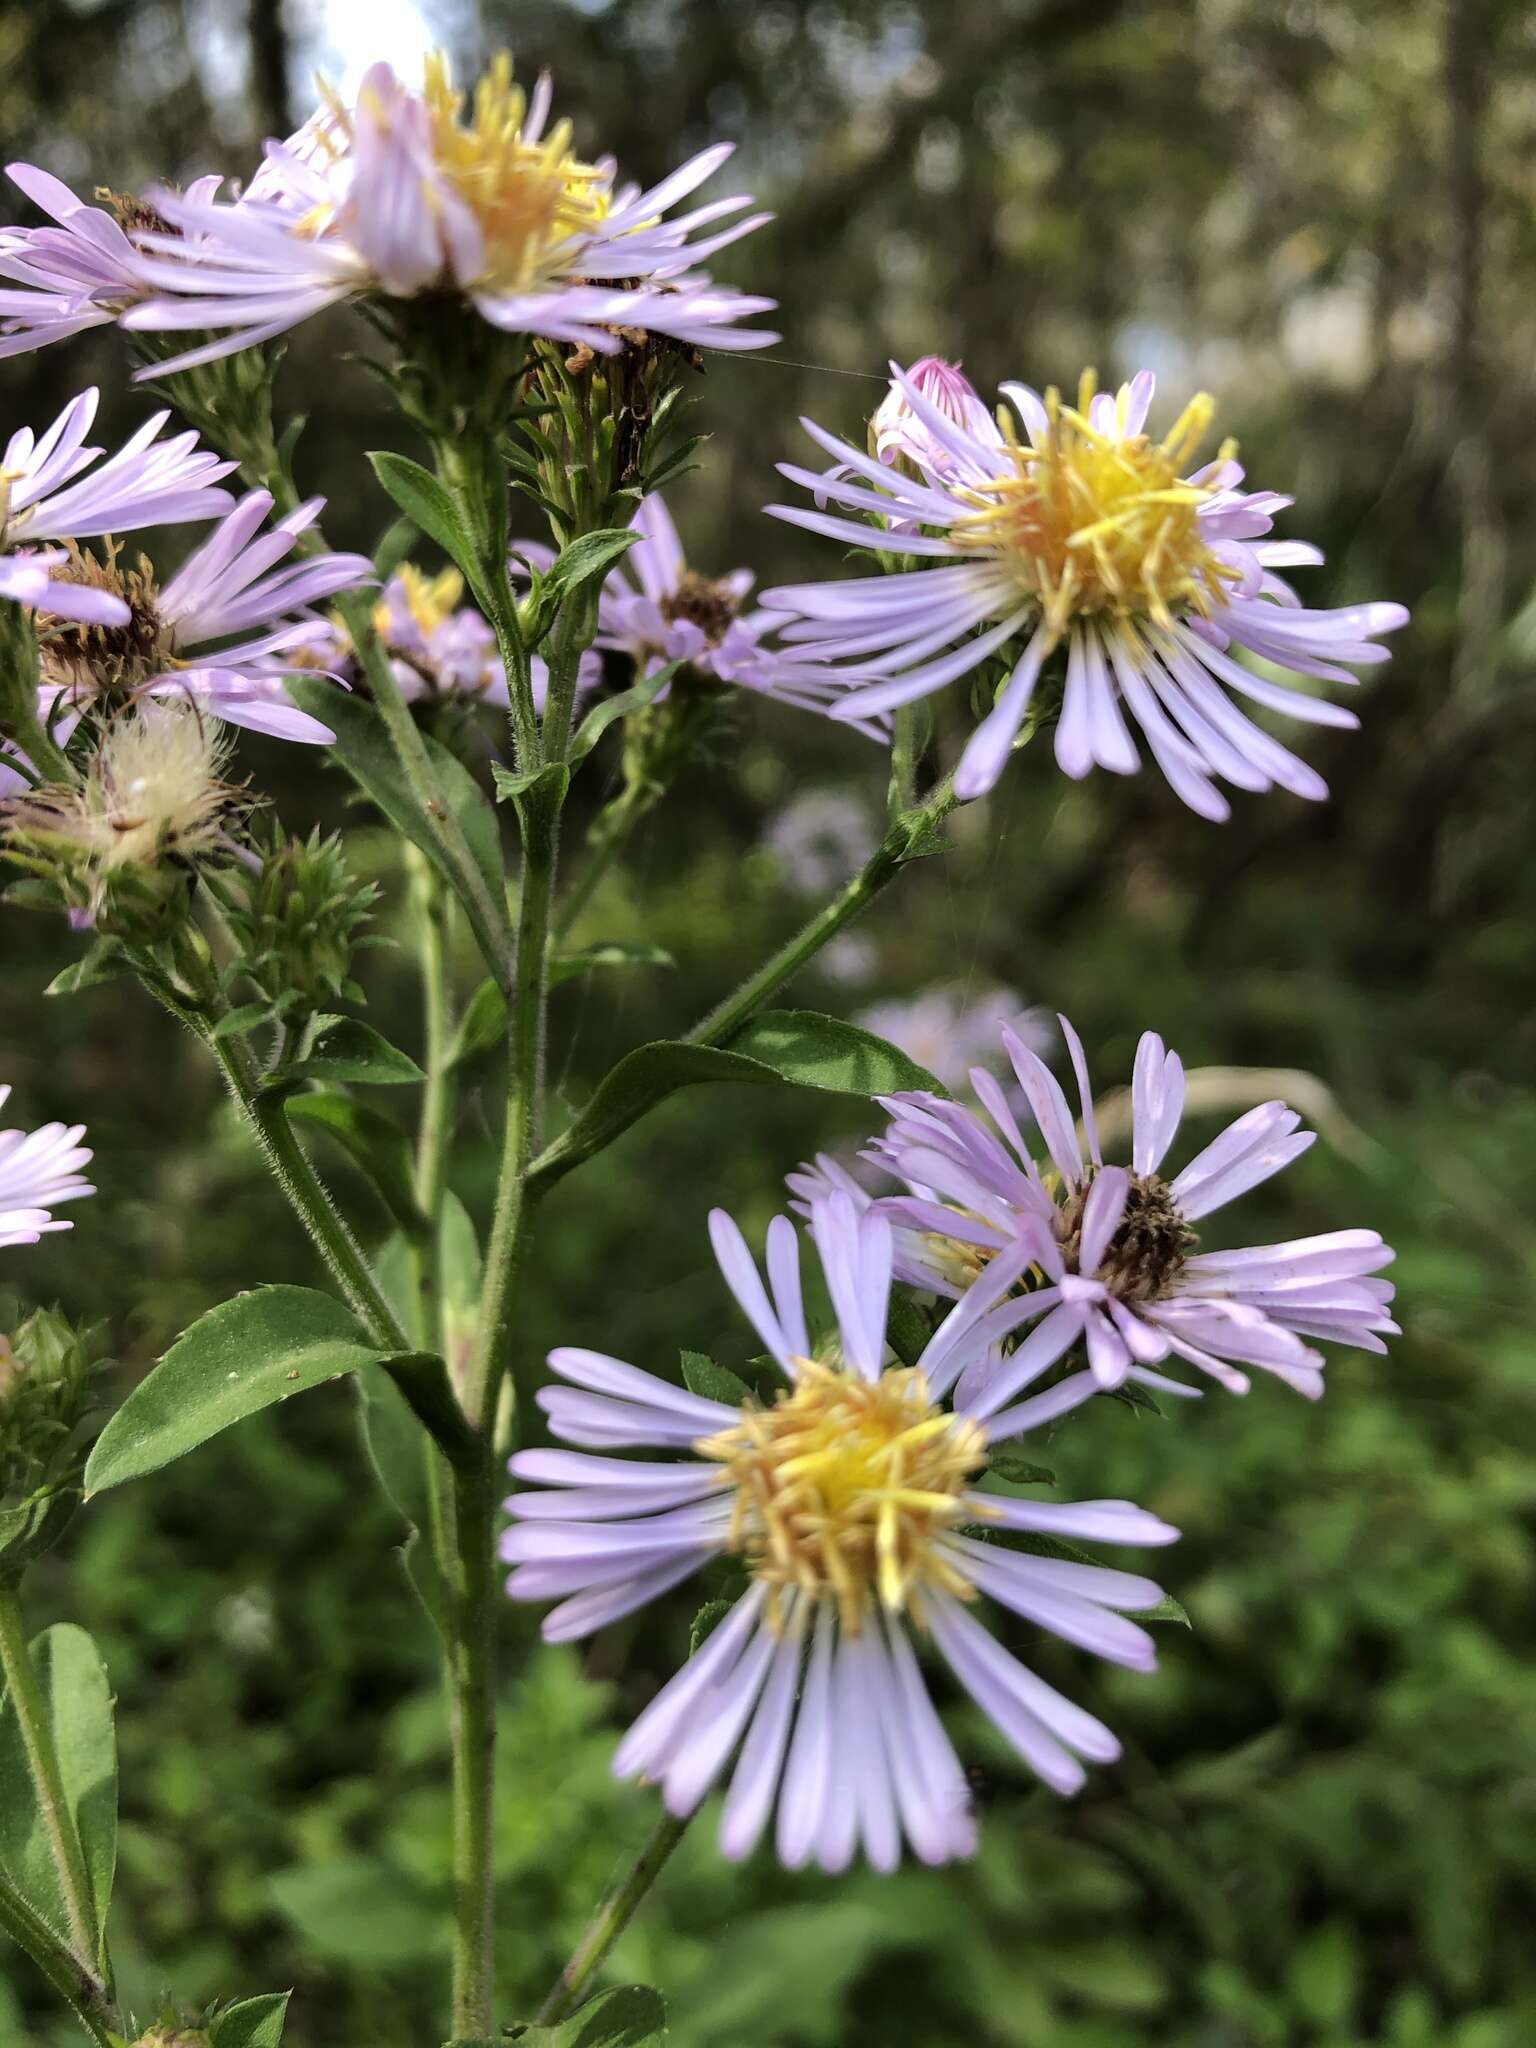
(1146, 1251)
(710, 606)
(89, 660)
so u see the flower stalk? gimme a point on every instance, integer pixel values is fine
(611, 1919)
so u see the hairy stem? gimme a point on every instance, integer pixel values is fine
(47, 1782)
(524, 1121)
(611, 1919)
(71, 1978)
(901, 844)
(472, 1612)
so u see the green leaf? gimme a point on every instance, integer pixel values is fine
(537, 798)
(375, 1142)
(705, 1622)
(481, 1028)
(241, 1357)
(1006, 1461)
(346, 1049)
(106, 961)
(907, 1328)
(796, 1046)
(77, 1705)
(608, 953)
(629, 2016)
(253, 2023)
(1167, 1609)
(589, 555)
(713, 1382)
(365, 750)
(1134, 1395)
(635, 698)
(235, 1023)
(825, 1052)
(427, 505)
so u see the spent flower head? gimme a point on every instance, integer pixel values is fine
(1084, 534)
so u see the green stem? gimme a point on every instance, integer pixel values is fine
(431, 903)
(573, 636)
(421, 1379)
(262, 465)
(611, 1919)
(487, 917)
(473, 1603)
(461, 472)
(47, 1782)
(901, 844)
(73, 1981)
(525, 1114)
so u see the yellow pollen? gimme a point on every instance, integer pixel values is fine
(429, 600)
(528, 198)
(843, 1487)
(1101, 522)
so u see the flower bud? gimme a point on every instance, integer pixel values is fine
(47, 1370)
(296, 918)
(898, 437)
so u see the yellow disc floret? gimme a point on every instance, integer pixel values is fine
(430, 600)
(1098, 521)
(843, 1486)
(528, 198)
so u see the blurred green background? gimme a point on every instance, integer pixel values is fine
(1324, 1827)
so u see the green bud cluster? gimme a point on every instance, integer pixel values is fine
(296, 920)
(47, 1375)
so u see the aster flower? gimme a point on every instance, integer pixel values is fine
(230, 587)
(1091, 537)
(437, 647)
(409, 192)
(1116, 1247)
(899, 438)
(38, 1170)
(669, 612)
(45, 496)
(821, 839)
(949, 1030)
(83, 271)
(848, 1499)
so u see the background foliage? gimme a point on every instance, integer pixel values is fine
(1324, 1829)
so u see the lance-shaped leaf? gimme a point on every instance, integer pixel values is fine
(346, 1049)
(76, 1701)
(629, 2016)
(427, 504)
(776, 1046)
(607, 953)
(253, 2023)
(243, 1356)
(365, 750)
(375, 1141)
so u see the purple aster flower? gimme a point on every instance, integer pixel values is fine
(436, 646)
(1087, 536)
(821, 839)
(850, 1501)
(230, 590)
(46, 496)
(897, 437)
(670, 612)
(410, 192)
(39, 1169)
(84, 271)
(950, 1030)
(1115, 1246)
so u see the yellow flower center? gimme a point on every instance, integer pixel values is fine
(529, 198)
(430, 600)
(843, 1487)
(1101, 522)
